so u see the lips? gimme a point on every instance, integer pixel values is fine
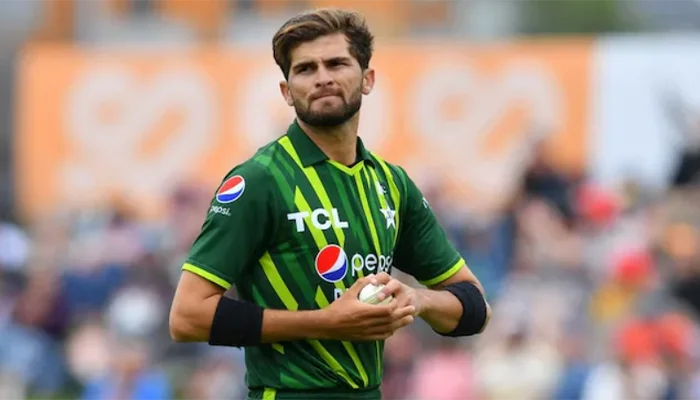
(322, 95)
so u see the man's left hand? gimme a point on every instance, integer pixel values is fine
(403, 294)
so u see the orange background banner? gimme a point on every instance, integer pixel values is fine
(96, 124)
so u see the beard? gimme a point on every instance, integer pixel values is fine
(329, 118)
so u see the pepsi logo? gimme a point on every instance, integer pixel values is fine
(331, 263)
(231, 190)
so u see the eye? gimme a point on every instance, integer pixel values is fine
(303, 69)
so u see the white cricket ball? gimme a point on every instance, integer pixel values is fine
(369, 293)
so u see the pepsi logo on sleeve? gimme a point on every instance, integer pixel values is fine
(231, 190)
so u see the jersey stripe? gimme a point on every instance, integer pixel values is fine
(269, 394)
(323, 302)
(257, 297)
(355, 228)
(368, 213)
(286, 296)
(316, 233)
(375, 210)
(348, 170)
(348, 190)
(206, 275)
(302, 280)
(315, 182)
(277, 283)
(288, 380)
(278, 347)
(453, 270)
(393, 188)
(289, 258)
(385, 205)
(332, 362)
(375, 237)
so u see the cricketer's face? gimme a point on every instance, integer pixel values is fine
(326, 83)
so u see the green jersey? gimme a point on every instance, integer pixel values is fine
(292, 229)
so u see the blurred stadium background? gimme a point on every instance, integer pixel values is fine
(558, 141)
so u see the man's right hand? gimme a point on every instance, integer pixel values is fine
(347, 318)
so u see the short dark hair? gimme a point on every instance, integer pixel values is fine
(311, 25)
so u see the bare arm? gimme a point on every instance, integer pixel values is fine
(441, 309)
(196, 300)
(195, 303)
(193, 308)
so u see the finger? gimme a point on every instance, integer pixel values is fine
(403, 312)
(392, 288)
(378, 336)
(359, 284)
(375, 315)
(379, 322)
(377, 311)
(387, 318)
(403, 299)
(382, 278)
(388, 330)
(407, 320)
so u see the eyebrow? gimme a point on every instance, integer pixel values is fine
(303, 64)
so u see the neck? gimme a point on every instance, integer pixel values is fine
(339, 143)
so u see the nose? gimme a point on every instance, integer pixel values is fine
(323, 77)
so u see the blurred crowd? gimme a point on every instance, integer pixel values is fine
(595, 294)
(85, 303)
(595, 290)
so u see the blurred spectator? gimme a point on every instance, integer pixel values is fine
(15, 247)
(632, 372)
(520, 365)
(684, 265)
(444, 373)
(130, 375)
(543, 181)
(30, 344)
(576, 366)
(217, 376)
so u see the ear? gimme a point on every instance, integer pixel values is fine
(368, 81)
(284, 89)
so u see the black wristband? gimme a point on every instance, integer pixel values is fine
(236, 323)
(474, 309)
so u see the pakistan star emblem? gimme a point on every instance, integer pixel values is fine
(390, 216)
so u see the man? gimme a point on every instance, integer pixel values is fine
(308, 221)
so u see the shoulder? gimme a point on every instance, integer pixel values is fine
(251, 175)
(257, 166)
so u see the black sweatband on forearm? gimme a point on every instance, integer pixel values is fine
(474, 309)
(236, 323)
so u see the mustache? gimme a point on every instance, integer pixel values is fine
(325, 93)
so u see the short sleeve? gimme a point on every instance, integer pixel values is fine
(238, 227)
(422, 249)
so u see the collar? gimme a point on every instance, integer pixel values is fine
(311, 154)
